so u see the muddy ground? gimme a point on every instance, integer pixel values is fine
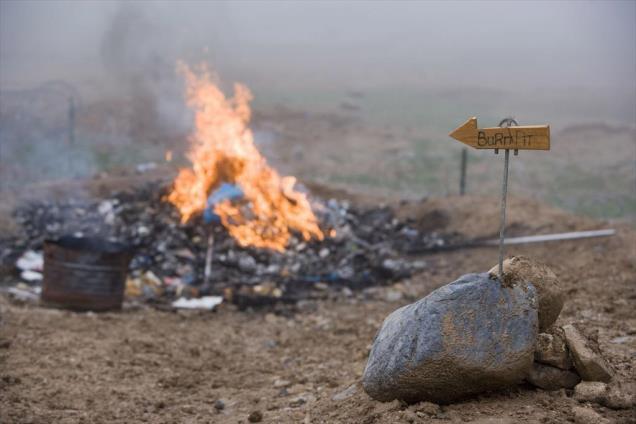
(144, 365)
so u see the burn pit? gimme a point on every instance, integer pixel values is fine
(370, 248)
(271, 245)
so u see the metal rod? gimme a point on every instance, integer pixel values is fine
(550, 237)
(504, 192)
(462, 176)
(71, 134)
(71, 121)
(208, 260)
(471, 244)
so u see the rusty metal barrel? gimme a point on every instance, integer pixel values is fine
(84, 273)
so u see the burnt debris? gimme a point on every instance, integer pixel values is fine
(370, 247)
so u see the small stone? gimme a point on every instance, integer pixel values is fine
(427, 408)
(255, 417)
(617, 395)
(587, 360)
(393, 295)
(270, 343)
(188, 409)
(345, 394)
(547, 377)
(552, 350)
(105, 207)
(590, 391)
(522, 269)
(247, 263)
(219, 405)
(323, 253)
(391, 265)
(622, 339)
(435, 349)
(621, 395)
(584, 415)
(297, 401)
(278, 383)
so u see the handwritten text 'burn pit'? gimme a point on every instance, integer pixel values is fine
(505, 140)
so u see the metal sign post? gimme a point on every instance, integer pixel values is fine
(507, 136)
(507, 122)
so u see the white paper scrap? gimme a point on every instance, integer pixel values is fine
(205, 302)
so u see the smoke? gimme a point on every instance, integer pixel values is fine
(420, 63)
(139, 71)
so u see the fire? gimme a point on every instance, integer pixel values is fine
(222, 150)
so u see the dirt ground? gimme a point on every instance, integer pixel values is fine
(145, 365)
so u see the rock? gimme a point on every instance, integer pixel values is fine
(425, 408)
(278, 383)
(247, 264)
(547, 377)
(622, 339)
(587, 359)
(522, 269)
(219, 405)
(255, 417)
(345, 394)
(464, 338)
(392, 295)
(297, 401)
(621, 395)
(584, 415)
(617, 395)
(552, 350)
(590, 391)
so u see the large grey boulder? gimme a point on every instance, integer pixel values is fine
(470, 336)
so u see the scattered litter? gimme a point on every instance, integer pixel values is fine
(30, 261)
(148, 285)
(366, 247)
(22, 293)
(205, 302)
(31, 276)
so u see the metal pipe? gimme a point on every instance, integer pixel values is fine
(208, 259)
(462, 176)
(504, 192)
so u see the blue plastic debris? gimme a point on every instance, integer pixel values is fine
(226, 191)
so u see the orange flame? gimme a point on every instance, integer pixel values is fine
(222, 150)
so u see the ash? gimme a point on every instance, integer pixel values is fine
(370, 247)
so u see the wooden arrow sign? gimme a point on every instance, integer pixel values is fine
(531, 137)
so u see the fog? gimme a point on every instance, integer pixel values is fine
(525, 45)
(422, 64)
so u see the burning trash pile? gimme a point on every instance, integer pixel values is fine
(170, 256)
(229, 225)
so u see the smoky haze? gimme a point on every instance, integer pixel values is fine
(527, 45)
(429, 63)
